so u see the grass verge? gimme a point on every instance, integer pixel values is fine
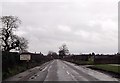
(107, 67)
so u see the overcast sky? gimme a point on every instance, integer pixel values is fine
(84, 25)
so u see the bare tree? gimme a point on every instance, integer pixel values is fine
(9, 40)
(63, 50)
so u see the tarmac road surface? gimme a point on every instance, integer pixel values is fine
(58, 70)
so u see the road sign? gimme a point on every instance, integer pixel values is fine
(25, 57)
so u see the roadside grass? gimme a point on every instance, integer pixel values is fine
(113, 69)
(107, 67)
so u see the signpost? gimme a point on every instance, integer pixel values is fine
(25, 57)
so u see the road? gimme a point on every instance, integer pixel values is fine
(58, 70)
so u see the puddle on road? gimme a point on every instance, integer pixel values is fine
(20, 76)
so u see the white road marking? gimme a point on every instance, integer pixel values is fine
(67, 72)
(47, 66)
(37, 75)
(34, 77)
(48, 71)
(73, 77)
(44, 69)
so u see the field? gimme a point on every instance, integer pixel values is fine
(107, 67)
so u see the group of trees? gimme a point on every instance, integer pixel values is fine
(63, 51)
(9, 40)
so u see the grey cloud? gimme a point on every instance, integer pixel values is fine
(84, 26)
